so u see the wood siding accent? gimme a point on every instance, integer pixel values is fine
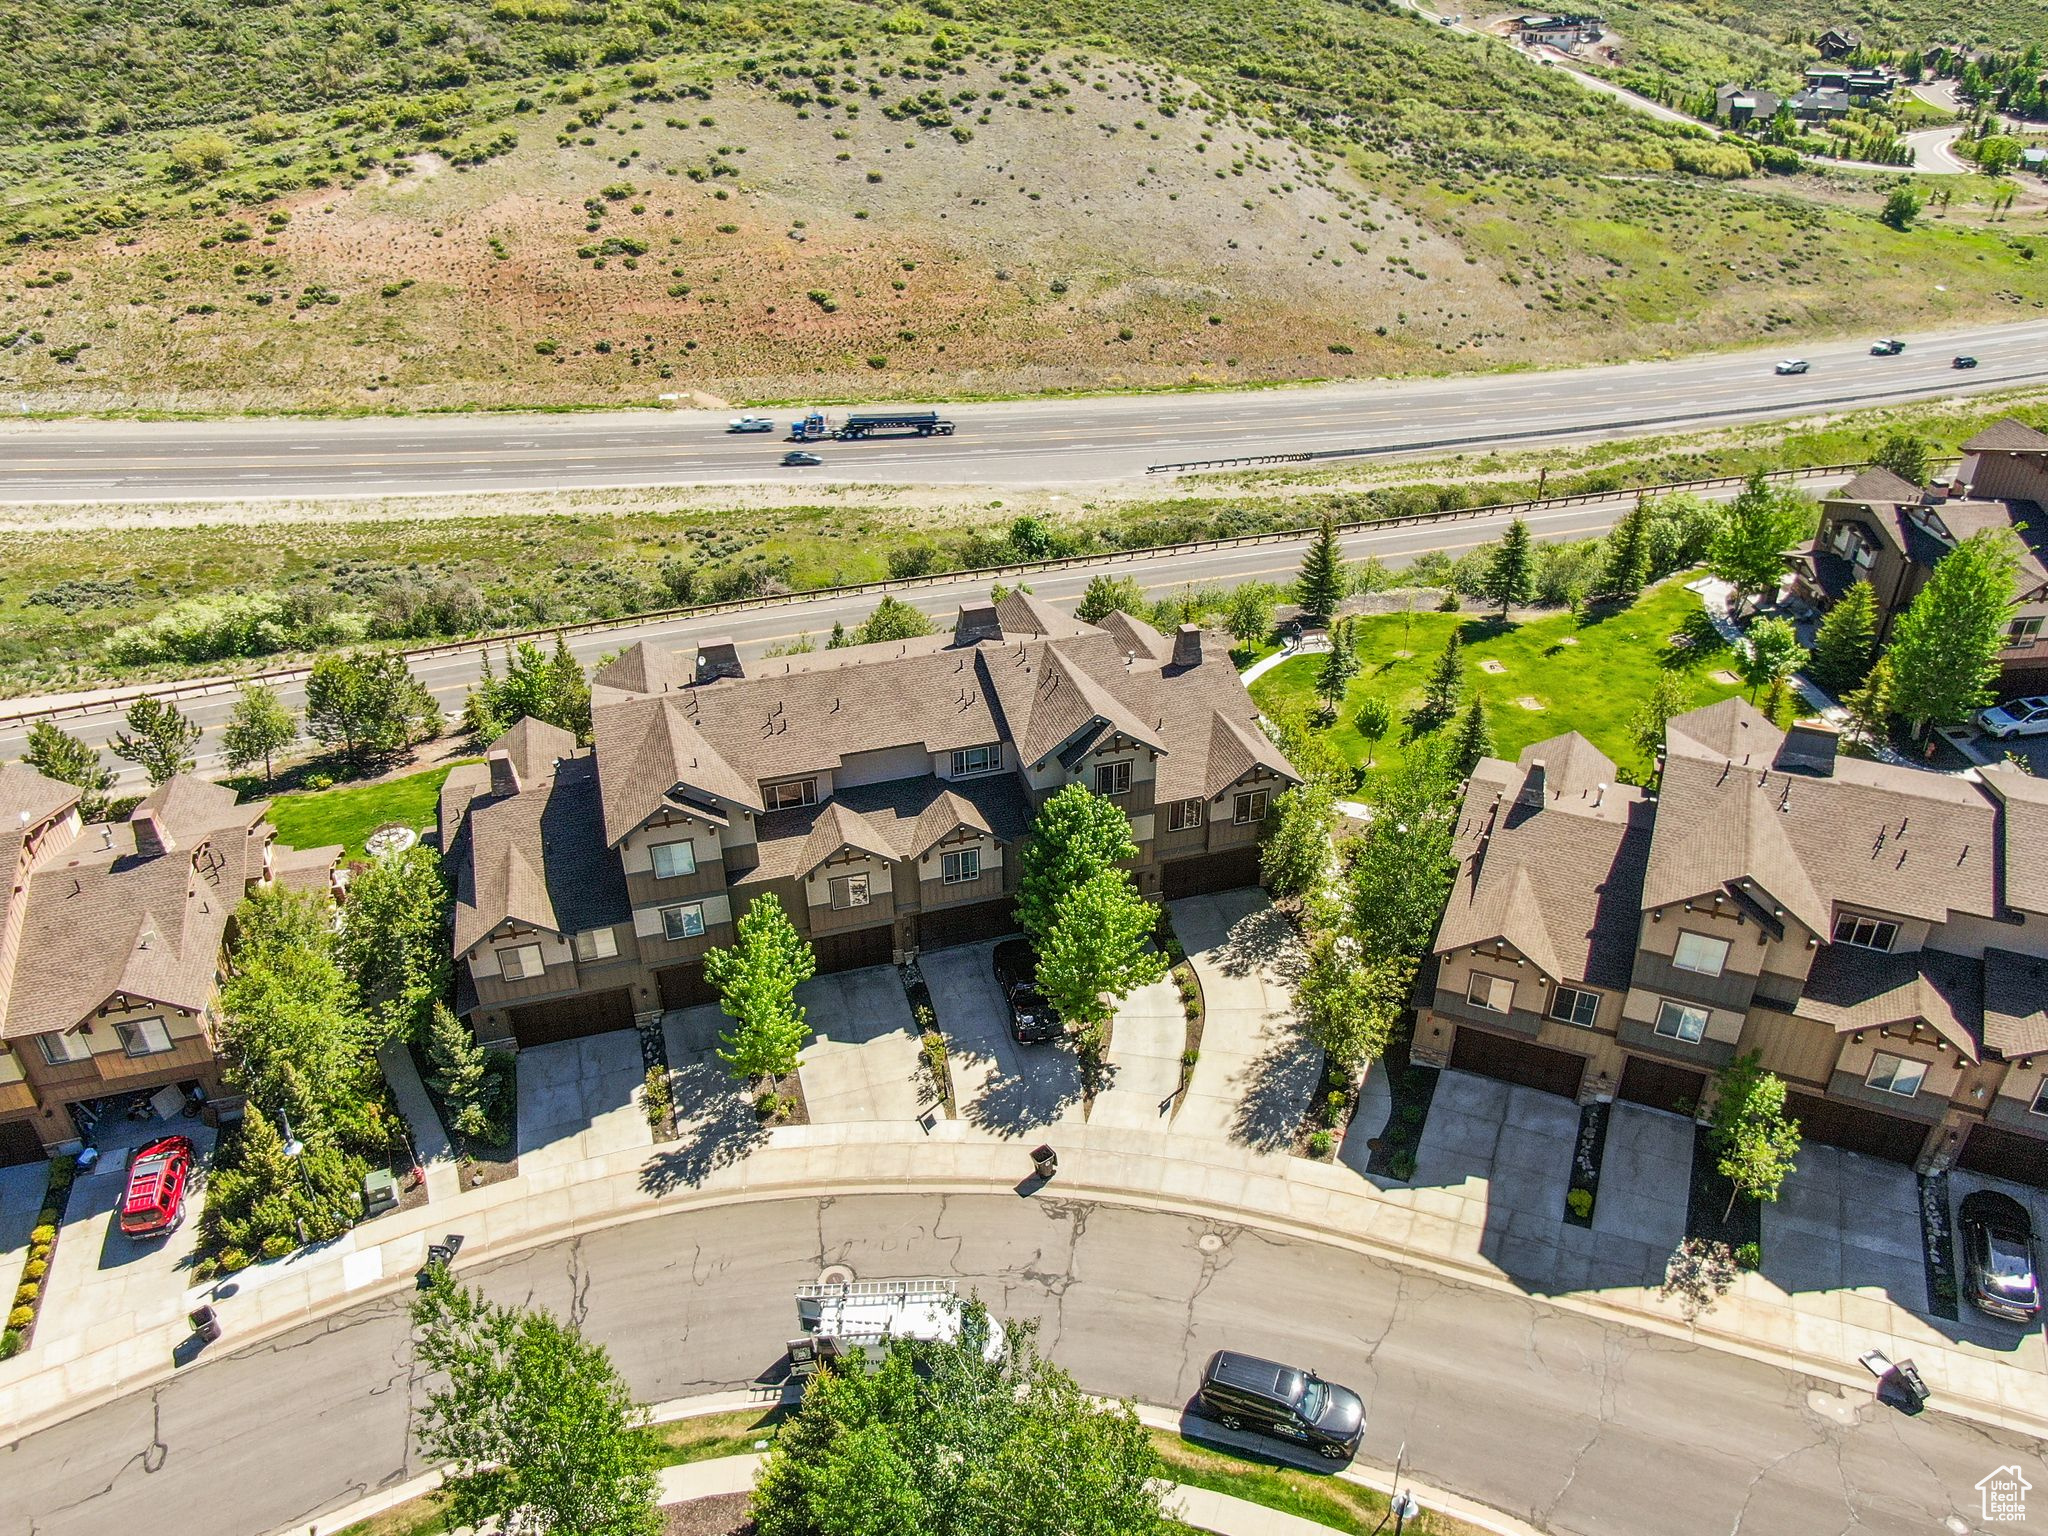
(1798, 1050)
(647, 890)
(17, 1096)
(184, 1055)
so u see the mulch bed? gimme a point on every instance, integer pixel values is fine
(1587, 1153)
(1320, 1116)
(1411, 1088)
(724, 1514)
(661, 1119)
(475, 1165)
(791, 1089)
(1708, 1200)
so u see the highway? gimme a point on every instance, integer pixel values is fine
(1583, 1428)
(1038, 442)
(756, 630)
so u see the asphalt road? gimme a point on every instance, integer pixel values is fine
(1580, 1427)
(756, 630)
(1043, 442)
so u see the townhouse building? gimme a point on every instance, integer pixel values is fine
(112, 941)
(1887, 531)
(880, 792)
(1878, 934)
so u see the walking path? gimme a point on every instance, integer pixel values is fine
(429, 1142)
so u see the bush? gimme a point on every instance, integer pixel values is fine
(277, 1245)
(26, 1293)
(1402, 1165)
(10, 1344)
(45, 1235)
(232, 1259)
(1581, 1202)
(1750, 1257)
(1320, 1145)
(660, 1098)
(20, 1317)
(35, 1269)
(205, 1269)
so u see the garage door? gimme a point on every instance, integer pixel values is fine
(850, 951)
(684, 986)
(1517, 1061)
(1855, 1129)
(966, 925)
(1224, 871)
(571, 1018)
(2006, 1155)
(19, 1144)
(1661, 1085)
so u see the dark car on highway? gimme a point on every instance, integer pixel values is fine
(1963, 361)
(1245, 1392)
(1033, 1020)
(797, 456)
(1998, 1256)
(1891, 346)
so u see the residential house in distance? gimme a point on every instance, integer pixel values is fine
(1879, 934)
(1862, 87)
(1838, 42)
(111, 940)
(1565, 32)
(880, 792)
(1886, 531)
(1820, 103)
(1744, 106)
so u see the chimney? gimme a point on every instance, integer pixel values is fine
(976, 621)
(1533, 787)
(504, 773)
(1187, 646)
(152, 837)
(1810, 748)
(717, 656)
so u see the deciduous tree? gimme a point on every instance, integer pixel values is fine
(1110, 594)
(1295, 859)
(1348, 1005)
(369, 705)
(1769, 654)
(893, 619)
(1075, 836)
(1374, 718)
(393, 939)
(1944, 650)
(1748, 548)
(159, 739)
(70, 761)
(1904, 455)
(757, 976)
(1646, 725)
(1755, 1143)
(1097, 949)
(258, 728)
(1250, 612)
(1401, 868)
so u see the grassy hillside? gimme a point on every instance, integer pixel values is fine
(348, 207)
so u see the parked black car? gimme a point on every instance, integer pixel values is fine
(1032, 1019)
(1998, 1256)
(1245, 1392)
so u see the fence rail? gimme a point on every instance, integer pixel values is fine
(214, 686)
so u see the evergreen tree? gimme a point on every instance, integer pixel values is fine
(1627, 567)
(1339, 666)
(1075, 836)
(1904, 455)
(1847, 641)
(68, 760)
(1320, 587)
(462, 1072)
(1445, 690)
(1944, 650)
(1295, 859)
(259, 727)
(1870, 707)
(1748, 548)
(1511, 573)
(757, 976)
(159, 739)
(838, 641)
(1475, 739)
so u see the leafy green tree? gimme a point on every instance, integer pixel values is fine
(1748, 549)
(1032, 538)
(757, 976)
(1754, 1141)
(63, 757)
(1249, 614)
(159, 739)
(369, 705)
(468, 1080)
(943, 1441)
(538, 1433)
(1445, 690)
(1944, 650)
(1646, 725)
(1901, 208)
(1904, 455)
(1339, 666)
(1295, 859)
(1627, 568)
(200, 155)
(1349, 1006)
(893, 619)
(1320, 587)
(258, 728)
(548, 686)
(1110, 594)
(1075, 836)
(1870, 708)
(1998, 153)
(1511, 573)
(1097, 949)
(1847, 642)
(1374, 718)
(1401, 867)
(393, 939)
(1475, 738)
(1769, 654)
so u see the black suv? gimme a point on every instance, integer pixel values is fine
(1998, 1255)
(1032, 1019)
(1245, 1392)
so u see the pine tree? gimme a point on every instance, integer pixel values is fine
(1475, 739)
(1511, 574)
(159, 739)
(1870, 707)
(1627, 568)
(57, 755)
(460, 1071)
(1847, 641)
(1320, 587)
(1340, 666)
(1445, 689)
(757, 976)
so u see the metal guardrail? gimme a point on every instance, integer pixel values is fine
(209, 687)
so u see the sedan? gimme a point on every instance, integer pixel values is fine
(1033, 1020)
(2016, 717)
(1964, 360)
(796, 456)
(1794, 365)
(1889, 347)
(1998, 1256)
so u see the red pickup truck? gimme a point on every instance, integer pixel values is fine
(157, 1178)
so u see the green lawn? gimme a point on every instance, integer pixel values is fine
(351, 812)
(1589, 675)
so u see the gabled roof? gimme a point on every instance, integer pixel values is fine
(1881, 485)
(2025, 802)
(534, 747)
(1025, 614)
(2015, 1002)
(2008, 436)
(1850, 989)
(28, 797)
(642, 668)
(892, 820)
(837, 828)
(539, 858)
(651, 746)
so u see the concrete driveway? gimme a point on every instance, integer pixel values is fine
(862, 1062)
(1145, 1045)
(1004, 1088)
(1981, 1327)
(580, 1099)
(1645, 1178)
(1847, 1222)
(1256, 1074)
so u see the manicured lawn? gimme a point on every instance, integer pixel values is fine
(1316, 1496)
(349, 813)
(1588, 675)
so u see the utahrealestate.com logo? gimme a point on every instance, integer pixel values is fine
(2005, 1494)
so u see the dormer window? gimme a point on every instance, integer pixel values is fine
(787, 796)
(972, 760)
(1112, 778)
(1866, 932)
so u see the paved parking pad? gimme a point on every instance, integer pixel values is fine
(1982, 1327)
(580, 1099)
(1145, 1045)
(1846, 1222)
(862, 1062)
(1003, 1088)
(1645, 1177)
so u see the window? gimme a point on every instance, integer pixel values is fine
(1698, 952)
(1183, 814)
(672, 859)
(1249, 807)
(1112, 778)
(60, 1049)
(961, 866)
(1681, 1021)
(1865, 932)
(685, 922)
(975, 760)
(2024, 631)
(2040, 1104)
(780, 797)
(143, 1037)
(1895, 1074)
(521, 963)
(597, 944)
(1495, 994)
(1575, 1007)
(848, 891)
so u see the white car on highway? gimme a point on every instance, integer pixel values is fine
(2016, 717)
(1794, 365)
(750, 424)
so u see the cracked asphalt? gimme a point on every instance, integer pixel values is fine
(1578, 1426)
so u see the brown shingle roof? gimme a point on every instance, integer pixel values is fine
(535, 747)
(539, 857)
(2015, 1002)
(650, 747)
(2025, 802)
(1136, 635)
(1850, 988)
(1879, 485)
(2008, 436)
(28, 797)
(896, 819)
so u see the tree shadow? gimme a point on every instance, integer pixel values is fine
(1276, 1094)
(715, 1125)
(1016, 1101)
(1260, 940)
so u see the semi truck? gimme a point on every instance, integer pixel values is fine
(836, 1316)
(817, 426)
